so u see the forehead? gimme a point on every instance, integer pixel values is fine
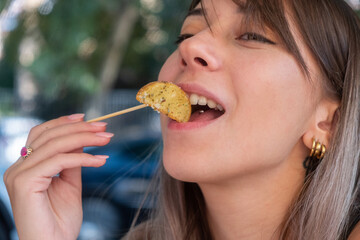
(256, 12)
(239, 14)
(212, 10)
(242, 4)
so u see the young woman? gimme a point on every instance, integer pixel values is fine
(277, 158)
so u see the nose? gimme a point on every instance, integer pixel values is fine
(200, 52)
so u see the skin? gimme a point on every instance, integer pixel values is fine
(54, 204)
(248, 163)
(250, 159)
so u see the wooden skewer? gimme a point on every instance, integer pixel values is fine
(118, 113)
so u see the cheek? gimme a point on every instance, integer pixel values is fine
(274, 85)
(273, 104)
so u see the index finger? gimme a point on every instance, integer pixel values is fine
(36, 131)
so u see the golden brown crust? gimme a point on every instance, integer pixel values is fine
(166, 98)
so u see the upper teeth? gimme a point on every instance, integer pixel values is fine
(201, 100)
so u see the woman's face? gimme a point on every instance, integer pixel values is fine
(262, 89)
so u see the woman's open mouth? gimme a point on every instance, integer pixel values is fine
(204, 112)
(204, 109)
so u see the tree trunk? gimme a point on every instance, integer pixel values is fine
(124, 26)
(119, 42)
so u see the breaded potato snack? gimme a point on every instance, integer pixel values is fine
(166, 98)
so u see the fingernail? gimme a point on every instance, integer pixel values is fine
(76, 116)
(101, 157)
(105, 134)
(98, 124)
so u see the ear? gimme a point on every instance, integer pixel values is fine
(322, 125)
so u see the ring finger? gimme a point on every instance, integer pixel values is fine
(62, 130)
(65, 144)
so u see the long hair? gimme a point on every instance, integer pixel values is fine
(326, 206)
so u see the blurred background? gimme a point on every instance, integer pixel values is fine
(57, 56)
(61, 57)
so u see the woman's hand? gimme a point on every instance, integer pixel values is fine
(45, 188)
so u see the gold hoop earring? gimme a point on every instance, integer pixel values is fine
(316, 155)
(318, 150)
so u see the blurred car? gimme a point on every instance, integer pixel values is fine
(113, 193)
(13, 134)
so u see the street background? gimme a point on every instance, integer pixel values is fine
(59, 57)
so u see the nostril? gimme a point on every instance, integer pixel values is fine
(201, 61)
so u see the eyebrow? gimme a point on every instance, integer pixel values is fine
(200, 11)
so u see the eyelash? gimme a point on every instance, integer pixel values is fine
(255, 37)
(182, 37)
(250, 37)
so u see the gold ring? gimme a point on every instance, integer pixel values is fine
(25, 152)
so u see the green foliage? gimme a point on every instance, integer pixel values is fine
(152, 56)
(7, 74)
(72, 43)
(7, 64)
(59, 65)
(2, 4)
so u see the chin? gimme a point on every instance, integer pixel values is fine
(188, 165)
(183, 167)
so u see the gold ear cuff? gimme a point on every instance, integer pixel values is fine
(318, 150)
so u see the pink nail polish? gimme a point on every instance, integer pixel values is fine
(101, 157)
(98, 124)
(76, 116)
(104, 134)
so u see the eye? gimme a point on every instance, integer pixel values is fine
(254, 37)
(182, 37)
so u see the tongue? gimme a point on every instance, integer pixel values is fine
(205, 116)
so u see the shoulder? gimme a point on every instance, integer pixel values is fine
(355, 233)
